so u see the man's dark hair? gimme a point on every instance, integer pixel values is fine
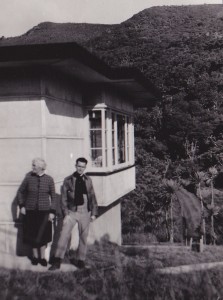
(81, 159)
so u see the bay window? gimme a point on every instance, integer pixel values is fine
(111, 141)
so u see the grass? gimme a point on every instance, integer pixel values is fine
(124, 273)
(175, 256)
(138, 238)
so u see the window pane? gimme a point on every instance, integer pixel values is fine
(113, 121)
(128, 138)
(113, 156)
(128, 153)
(121, 138)
(106, 119)
(96, 140)
(96, 157)
(95, 119)
(106, 137)
(113, 138)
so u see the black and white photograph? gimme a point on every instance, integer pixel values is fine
(111, 149)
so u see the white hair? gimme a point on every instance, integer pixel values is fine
(39, 162)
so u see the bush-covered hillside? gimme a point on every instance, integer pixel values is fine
(165, 42)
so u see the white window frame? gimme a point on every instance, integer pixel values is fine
(107, 153)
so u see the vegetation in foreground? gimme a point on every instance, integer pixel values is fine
(121, 273)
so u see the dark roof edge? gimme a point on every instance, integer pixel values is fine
(73, 50)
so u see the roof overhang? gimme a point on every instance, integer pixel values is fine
(79, 63)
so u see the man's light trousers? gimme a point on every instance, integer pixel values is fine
(82, 216)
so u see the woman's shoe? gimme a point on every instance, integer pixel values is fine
(34, 261)
(43, 262)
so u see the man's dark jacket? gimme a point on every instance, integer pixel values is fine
(68, 195)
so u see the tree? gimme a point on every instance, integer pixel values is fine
(199, 178)
(213, 173)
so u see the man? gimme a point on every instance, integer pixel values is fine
(79, 205)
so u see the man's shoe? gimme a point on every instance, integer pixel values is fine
(43, 262)
(54, 267)
(78, 263)
(81, 264)
(56, 264)
(34, 261)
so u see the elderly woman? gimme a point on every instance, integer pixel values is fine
(37, 202)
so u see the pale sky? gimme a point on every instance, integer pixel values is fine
(18, 16)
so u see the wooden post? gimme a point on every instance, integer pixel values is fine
(202, 244)
(202, 213)
(212, 216)
(191, 240)
(171, 220)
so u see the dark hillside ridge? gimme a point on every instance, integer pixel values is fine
(49, 32)
(161, 40)
(174, 46)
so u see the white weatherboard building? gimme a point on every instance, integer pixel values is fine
(59, 102)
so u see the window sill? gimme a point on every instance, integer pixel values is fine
(105, 172)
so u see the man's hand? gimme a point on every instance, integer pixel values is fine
(23, 210)
(93, 218)
(66, 219)
(51, 217)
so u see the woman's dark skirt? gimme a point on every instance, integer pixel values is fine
(37, 229)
